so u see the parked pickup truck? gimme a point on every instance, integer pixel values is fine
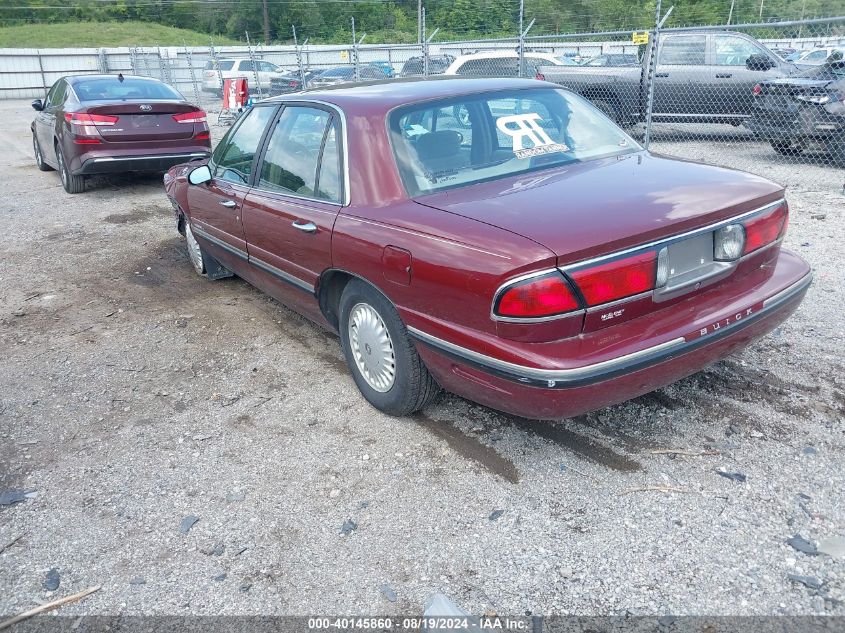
(701, 77)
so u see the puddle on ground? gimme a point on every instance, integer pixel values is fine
(469, 447)
(584, 446)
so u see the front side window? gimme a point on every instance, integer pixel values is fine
(683, 50)
(233, 157)
(302, 155)
(476, 138)
(735, 51)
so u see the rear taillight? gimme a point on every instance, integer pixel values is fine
(764, 229)
(86, 141)
(616, 279)
(78, 118)
(537, 297)
(757, 90)
(198, 116)
(202, 136)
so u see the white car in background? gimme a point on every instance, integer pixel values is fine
(500, 64)
(819, 56)
(232, 67)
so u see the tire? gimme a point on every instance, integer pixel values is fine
(787, 148)
(71, 183)
(394, 379)
(195, 252)
(39, 157)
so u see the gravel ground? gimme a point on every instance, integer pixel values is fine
(135, 394)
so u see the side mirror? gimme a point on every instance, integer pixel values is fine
(37, 105)
(199, 175)
(759, 62)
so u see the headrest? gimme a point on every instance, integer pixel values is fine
(439, 144)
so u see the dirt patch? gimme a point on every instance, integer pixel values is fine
(138, 215)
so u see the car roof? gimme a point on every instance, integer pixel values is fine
(502, 53)
(73, 79)
(386, 94)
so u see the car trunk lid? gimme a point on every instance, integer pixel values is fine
(148, 121)
(591, 209)
(786, 96)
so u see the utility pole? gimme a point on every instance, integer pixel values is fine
(761, 10)
(731, 14)
(419, 22)
(266, 22)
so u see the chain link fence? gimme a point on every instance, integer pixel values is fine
(766, 97)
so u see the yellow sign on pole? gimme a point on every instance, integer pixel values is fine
(344, 55)
(639, 37)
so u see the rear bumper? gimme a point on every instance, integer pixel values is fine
(154, 162)
(807, 122)
(670, 354)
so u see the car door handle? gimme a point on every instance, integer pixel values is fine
(661, 74)
(305, 227)
(229, 204)
(723, 75)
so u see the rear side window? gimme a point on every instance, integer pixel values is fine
(686, 50)
(233, 158)
(57, 94)
(112, 89)
(302, 156)
(226, 65)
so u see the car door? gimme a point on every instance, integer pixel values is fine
(289, 215)
(731, 81)
(45, 121)
(681, 75)
(216, 205)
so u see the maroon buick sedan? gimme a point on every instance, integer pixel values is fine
(100, 124)
(529, 256)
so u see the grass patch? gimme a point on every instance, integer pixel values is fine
(103, 35)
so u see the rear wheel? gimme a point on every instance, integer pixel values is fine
(787, 148)
(39, 157)
(380, 354)
(71, 183)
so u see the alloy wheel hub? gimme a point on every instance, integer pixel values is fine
(371, 347)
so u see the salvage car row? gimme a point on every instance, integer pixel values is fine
(794, 100)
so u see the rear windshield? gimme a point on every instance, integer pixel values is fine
(830, 70)
(460, 141)
(413, 66)
(112, 89)
(338, 72)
